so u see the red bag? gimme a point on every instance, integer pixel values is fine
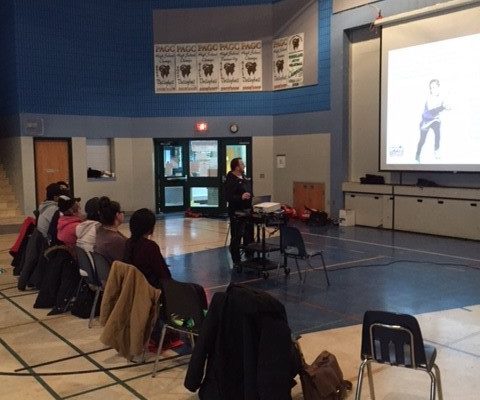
(290, 212)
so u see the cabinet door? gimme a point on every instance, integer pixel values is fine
(308, 194)
(368, 208)
(300, 194)
(316, 196)
(457, 218)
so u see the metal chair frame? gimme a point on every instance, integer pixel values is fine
(302, 255)
(435, 376)
(191, 333)
(91, 279)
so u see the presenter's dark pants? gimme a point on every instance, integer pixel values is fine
(435, 126)
(240, 229)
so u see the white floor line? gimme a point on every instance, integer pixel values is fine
(295, 272)
(394, 247)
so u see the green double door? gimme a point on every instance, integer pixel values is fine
(190, 172)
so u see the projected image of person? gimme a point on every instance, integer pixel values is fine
(431, 118)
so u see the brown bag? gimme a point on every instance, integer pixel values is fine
(323, 380)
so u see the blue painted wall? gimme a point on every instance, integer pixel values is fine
(8, 87)
(95, 58)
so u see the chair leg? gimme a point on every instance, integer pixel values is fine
(192, 340)
(358, 392)
(439, 381)
(325, 269)
(94, 307)
(433, 385)
(370, 380)
(228, 234)
(78, 288)
(309, 265)
(159, 350)
(298, 270)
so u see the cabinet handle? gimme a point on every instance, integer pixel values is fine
(352, 195)
(376, 197)
(473, 204)
(391, 198)
(440, 201)
(419, 200)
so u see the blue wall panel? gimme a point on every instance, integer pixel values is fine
(8, 84)
(96, 58)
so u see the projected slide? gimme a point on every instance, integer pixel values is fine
(433, 105)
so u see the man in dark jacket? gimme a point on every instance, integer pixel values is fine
(246, 343)
(239, 194)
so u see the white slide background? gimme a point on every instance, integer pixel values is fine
(456, 64)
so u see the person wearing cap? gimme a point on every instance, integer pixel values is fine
(70, 217)
(48, 208)
(86, 231)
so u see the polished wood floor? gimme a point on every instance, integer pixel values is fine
(451, 321)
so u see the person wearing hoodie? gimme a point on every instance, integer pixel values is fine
(48, 208)
(69, 219)
(87, 230)
(110, 242)
(238, 192)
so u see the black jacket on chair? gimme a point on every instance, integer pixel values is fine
(61, 280)
(31, 268)
(247, 345)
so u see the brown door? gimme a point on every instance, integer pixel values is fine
(52, 164)
(308, 194)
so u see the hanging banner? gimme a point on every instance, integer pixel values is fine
(280, 63)
(165, 81)
(295, 60)
(230, 67)
(208, 63)
(288, 61)
(186, 68)
(209, 67)
(251, 54)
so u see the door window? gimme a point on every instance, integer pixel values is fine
(206, 197)
(173, 161)
(204, 158)
(235, 151)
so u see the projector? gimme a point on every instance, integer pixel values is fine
(266, 208)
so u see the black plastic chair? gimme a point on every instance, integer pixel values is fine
(102, 267)
(396, 339)
(293, 246)
(88, 275)
(181, 302)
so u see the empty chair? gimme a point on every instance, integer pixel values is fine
(184, 306)
(293, 246)
(88, 275)
(396, 339)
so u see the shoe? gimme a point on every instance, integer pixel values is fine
(437, 154)
(167, 345)
(417, 159)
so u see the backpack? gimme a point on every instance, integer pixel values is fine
(323, 379)
(82, 306)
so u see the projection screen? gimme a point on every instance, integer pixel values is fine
(430, 94)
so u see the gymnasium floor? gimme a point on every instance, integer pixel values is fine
(437, 279)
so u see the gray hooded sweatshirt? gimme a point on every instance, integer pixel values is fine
(46, 210)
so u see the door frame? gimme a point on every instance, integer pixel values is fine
(197, 182)
(70, 161)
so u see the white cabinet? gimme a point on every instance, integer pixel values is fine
(437, 211)
(370, 209)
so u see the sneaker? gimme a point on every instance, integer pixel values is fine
(167, 345)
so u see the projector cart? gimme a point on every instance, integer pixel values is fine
(260, 247)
